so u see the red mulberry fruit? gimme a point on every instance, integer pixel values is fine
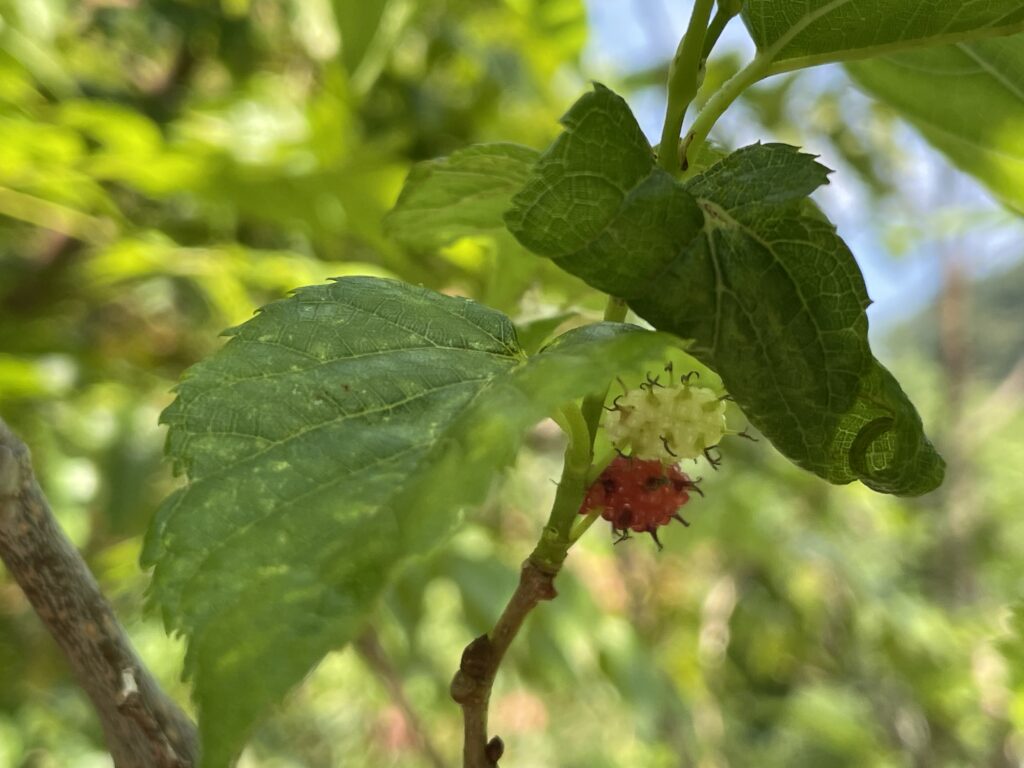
(639, 495)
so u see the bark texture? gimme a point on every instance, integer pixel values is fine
(142, 726)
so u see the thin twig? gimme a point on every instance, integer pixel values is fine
(472, 684)
(142, 726)
(369, 647)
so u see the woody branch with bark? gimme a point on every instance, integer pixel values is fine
(142, 726)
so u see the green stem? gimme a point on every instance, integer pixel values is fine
(726, 10)
(758, 69)
(723, 99)
(614, 312)
(580, 441)
(556, 539)
(584, 525)
(684, 76)
(580, 423)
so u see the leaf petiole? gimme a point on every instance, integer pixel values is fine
(727, 9)
(584, 525)
(614, 312)
(570, 419)
(759, 68)
(684, 76)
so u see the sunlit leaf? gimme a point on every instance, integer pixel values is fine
(459, 196)
(801, 33)
(944, 91)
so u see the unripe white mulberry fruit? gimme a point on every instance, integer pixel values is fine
(667, 423)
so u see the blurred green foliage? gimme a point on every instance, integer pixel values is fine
(168, 166)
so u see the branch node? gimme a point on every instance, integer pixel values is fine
(495, 749)
(471, 679)
(471, 686)
(477, 657)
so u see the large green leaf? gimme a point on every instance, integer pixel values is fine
(967, 99)
(742, 263)
(802, 33)
(459, 196)
(335, 435)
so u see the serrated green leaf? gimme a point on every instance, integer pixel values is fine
(802, 33)
(593, 194)
(336, 434)
(547, 215)
(293, 437)
(459, 196)
(943, 91)
(761, 174)
(742, 263)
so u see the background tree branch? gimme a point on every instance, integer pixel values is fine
(142, 726)
(370, 649)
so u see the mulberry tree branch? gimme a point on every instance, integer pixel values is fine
(142, 726)
(472, 685)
